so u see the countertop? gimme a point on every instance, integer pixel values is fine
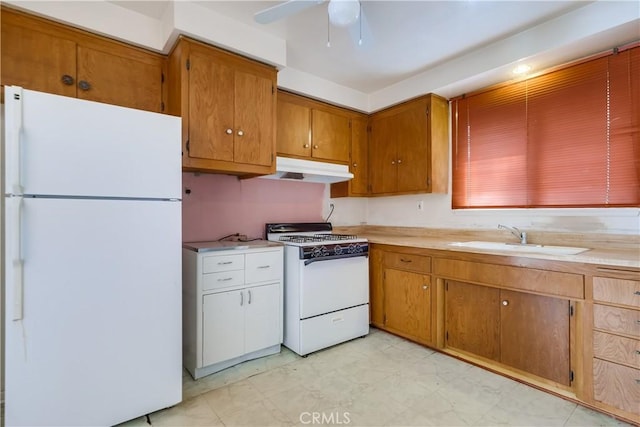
(225, 245)
(607, 250)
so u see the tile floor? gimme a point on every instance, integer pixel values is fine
(379, 380)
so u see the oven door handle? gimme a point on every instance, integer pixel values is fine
(333, 257)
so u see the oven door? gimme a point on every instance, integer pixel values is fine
(333, 284)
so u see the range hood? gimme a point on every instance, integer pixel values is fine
(309, 171)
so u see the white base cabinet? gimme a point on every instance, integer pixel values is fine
(232, 307)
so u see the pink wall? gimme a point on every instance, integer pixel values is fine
(219, 205)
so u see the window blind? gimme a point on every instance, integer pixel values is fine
(567, 138)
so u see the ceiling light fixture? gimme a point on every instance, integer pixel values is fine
(344, 12)
(522, 69)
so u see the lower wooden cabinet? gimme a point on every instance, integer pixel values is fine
(616, 342)
(524, 331)
(407, 304)
(401, 294)
(570, 328)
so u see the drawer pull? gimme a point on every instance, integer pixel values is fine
(637, 381)
(638, 352)
(225, 263)
(226, 279)
(405, 260)
(264, 266)
(636, 293)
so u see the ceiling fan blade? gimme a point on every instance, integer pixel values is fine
(283, 10)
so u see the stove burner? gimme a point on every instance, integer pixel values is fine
(316, 238)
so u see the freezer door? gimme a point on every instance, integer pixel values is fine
(58, 145)
(99, 340)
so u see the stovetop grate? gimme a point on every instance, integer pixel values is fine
(295, 238)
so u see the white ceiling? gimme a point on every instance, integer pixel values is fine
(400, 38)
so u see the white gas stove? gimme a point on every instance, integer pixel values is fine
(326, 285)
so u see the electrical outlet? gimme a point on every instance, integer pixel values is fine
(420, 205)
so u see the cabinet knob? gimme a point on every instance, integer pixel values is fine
(84, 85)
(240, 133)
(399, 161)
(393, 162)
(355, 165)
(67, 79)
(228, 131)
(316, 147)
(505, 302)
(305, 146)
(425, 287)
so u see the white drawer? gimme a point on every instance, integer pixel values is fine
(212, 264)
(223, 279)
(329, 329)
(264, 266)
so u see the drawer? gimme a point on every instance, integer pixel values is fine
(222, 279)
(505, 276)
(264, 266)
(616, 385)
(617, 349)
(212, 264)
(617, 320)
(617, 291)
(417, 263)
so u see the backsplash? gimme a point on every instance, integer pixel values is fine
(219, 205)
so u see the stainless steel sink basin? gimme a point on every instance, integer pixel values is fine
(517, 247)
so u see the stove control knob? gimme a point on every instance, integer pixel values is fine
(316, 252)
(324, 251)
(337, 249)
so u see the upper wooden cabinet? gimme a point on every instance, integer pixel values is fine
(312, 129)
(409, 147)
(359, 165)
(45, 56)
(228, 109)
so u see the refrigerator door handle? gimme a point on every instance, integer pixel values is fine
(14, 95)
(16, 251)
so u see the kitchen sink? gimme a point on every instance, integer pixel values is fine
(518, 247)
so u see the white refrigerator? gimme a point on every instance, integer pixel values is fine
(92, 261)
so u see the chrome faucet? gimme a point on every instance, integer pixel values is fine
(522, 235)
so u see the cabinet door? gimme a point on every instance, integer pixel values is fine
(254, 117)
(383, 172)
(211, 92)
(407, 304)
(410, 130)
(37, 60)
(330, 136)
(222, 326)
(534, 334)
(263, 317)
(293, 128)
(120, 76)
(473, 319)
(359, 157)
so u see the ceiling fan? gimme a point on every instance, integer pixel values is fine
(341, 12)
